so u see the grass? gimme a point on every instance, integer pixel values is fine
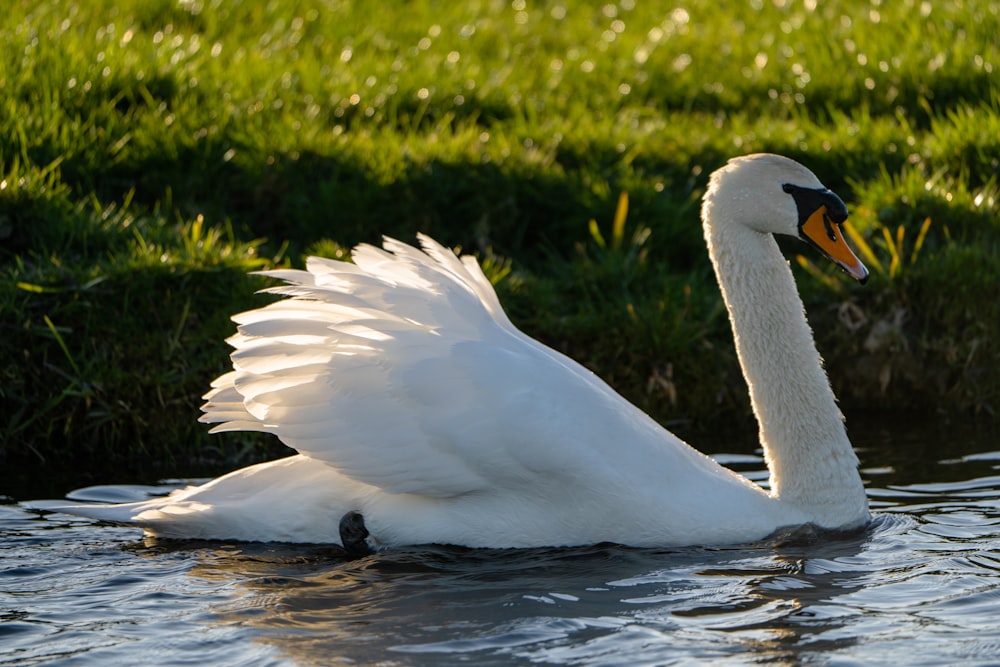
(153, 152)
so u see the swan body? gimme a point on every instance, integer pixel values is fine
(412, 399)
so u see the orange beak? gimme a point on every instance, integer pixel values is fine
(819, 230)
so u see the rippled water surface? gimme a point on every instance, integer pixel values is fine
(920, 586)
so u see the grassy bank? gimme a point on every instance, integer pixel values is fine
(152, 152)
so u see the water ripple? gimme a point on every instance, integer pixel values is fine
(921, 581)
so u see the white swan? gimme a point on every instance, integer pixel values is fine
(414, 401)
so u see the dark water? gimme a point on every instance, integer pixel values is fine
(920, 586)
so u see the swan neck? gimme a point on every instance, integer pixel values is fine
(801, 428)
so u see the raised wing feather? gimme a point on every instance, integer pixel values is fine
(402, 371)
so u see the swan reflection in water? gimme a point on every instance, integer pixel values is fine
(311, 603)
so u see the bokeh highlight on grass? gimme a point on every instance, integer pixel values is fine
(152, 152)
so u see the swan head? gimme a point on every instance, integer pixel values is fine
(777, 195)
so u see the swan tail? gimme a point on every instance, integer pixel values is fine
(162, 517)
(294, 499)
(122, 513)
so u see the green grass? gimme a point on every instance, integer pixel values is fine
(154, 151)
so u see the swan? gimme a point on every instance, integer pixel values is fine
(421, 414)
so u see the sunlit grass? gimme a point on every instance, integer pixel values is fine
(153, 152)
(893, 244)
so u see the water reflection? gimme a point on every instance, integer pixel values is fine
(596, 604)
(923, 580)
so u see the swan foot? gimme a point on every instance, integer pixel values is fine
(353, 534)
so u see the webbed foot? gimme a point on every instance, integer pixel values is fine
(353, 533)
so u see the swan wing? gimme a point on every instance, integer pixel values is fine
(403, 372)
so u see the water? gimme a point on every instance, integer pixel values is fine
(920, 586)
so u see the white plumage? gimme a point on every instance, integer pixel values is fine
(412, 399)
